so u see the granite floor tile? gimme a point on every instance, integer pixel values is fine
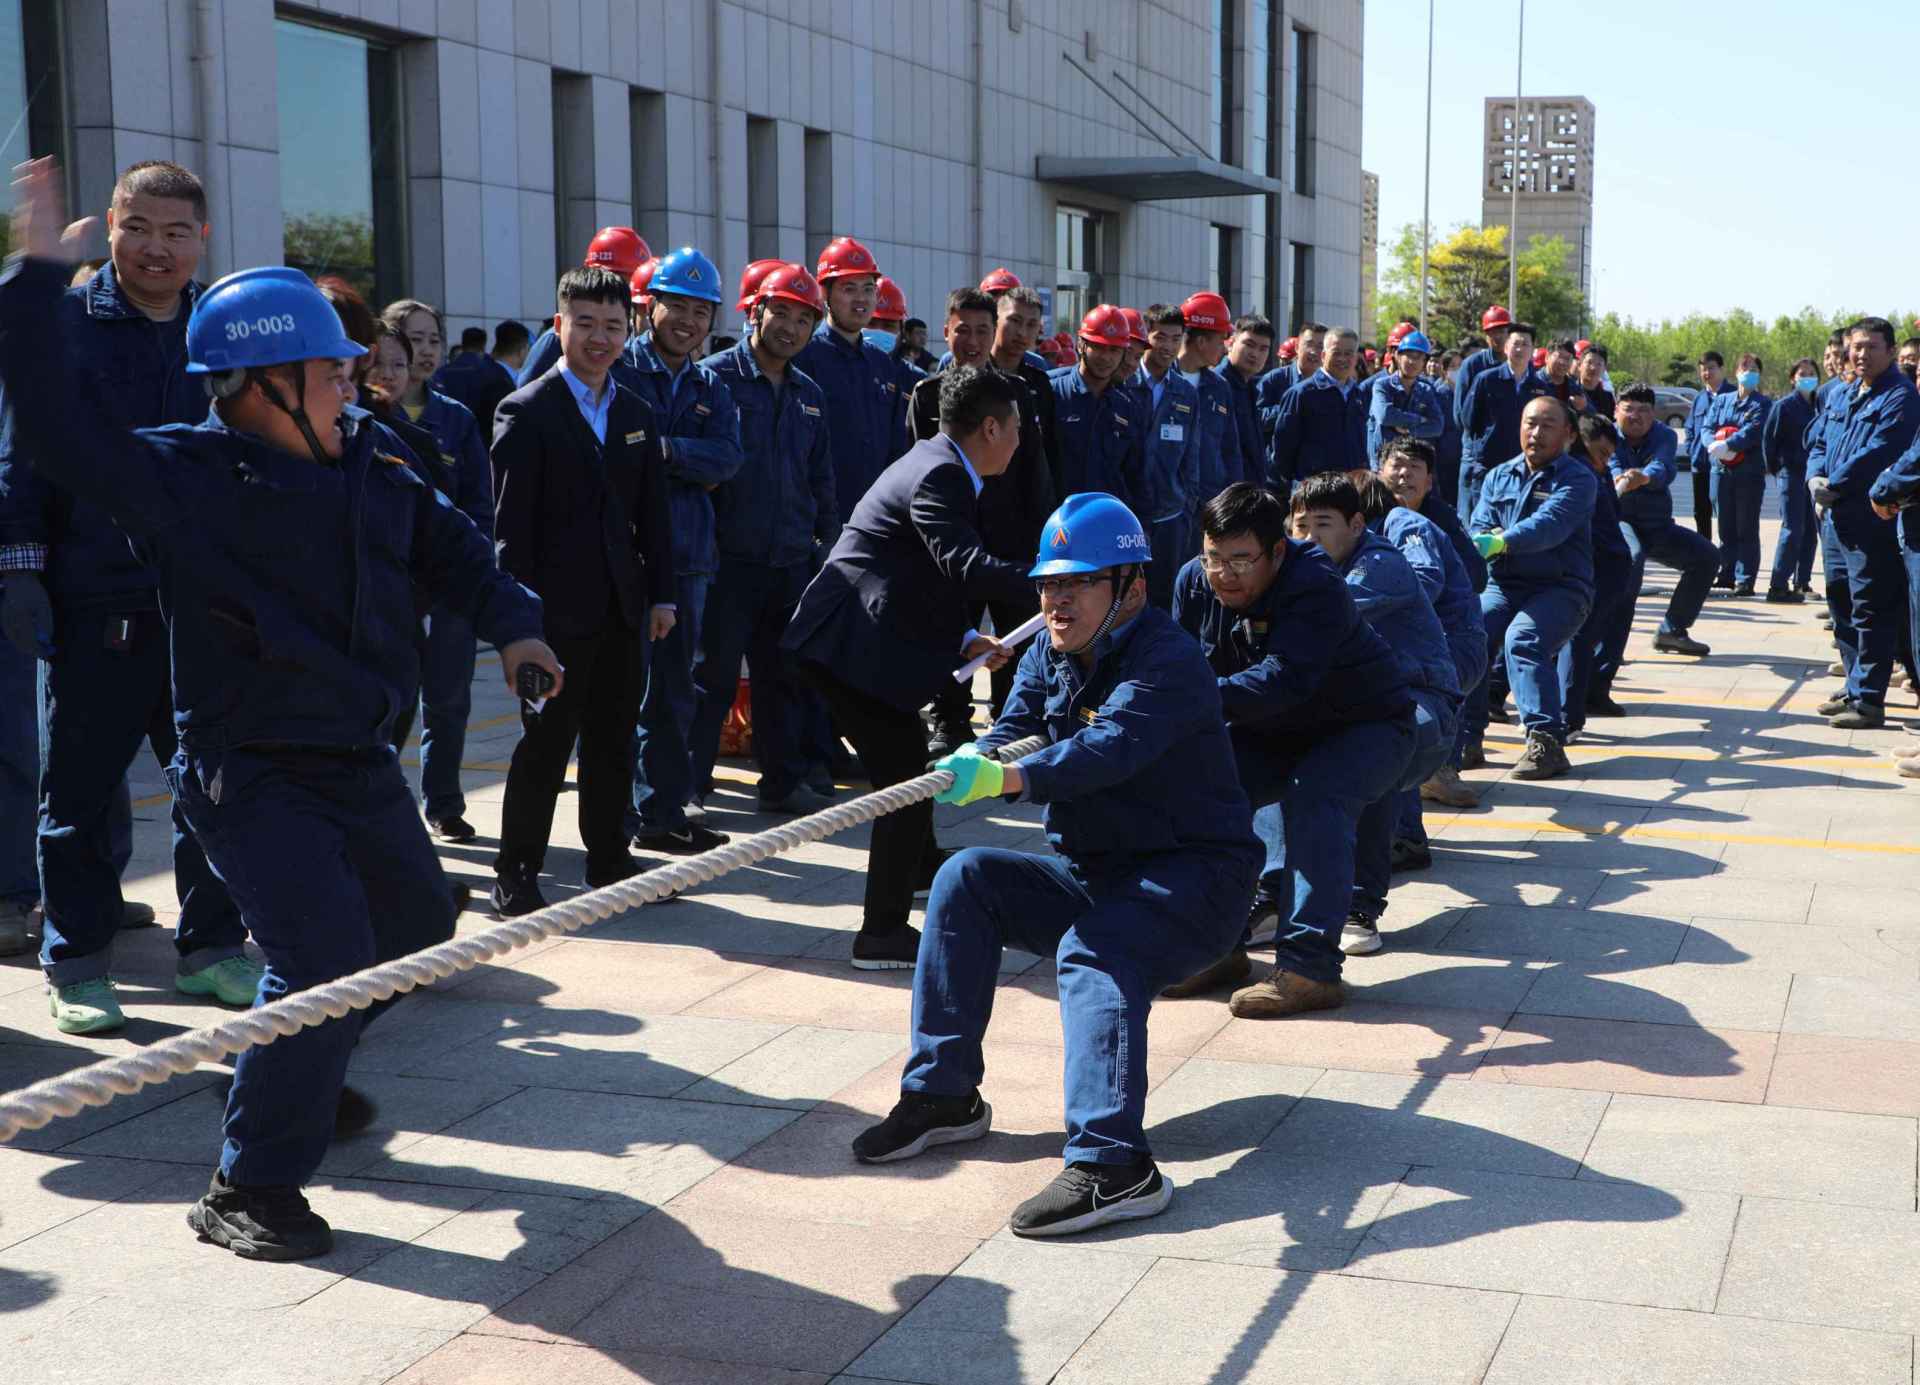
(1814, 1262)
(1855, 1007)
(1625, 1056)
(1872, 1076)
(1428, 1040)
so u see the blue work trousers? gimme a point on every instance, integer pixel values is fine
(748, 607)
(446, 702)
(1471, 475)
(1694, 557)
(19, 777)
(662, 761)
(1580, 662)
(1529, 625)
(109, 689)
(1119, 933)
(1308, 802)
(333, 872)
(1833, 572)
(1793, 553)
(1171, 544)
(1868, 551)
(1436, 720)
(1738, 494)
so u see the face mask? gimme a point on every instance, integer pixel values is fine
(884, 340)
(1806, 384)
(1749, 379)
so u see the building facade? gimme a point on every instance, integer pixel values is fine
(1369, 252)
(463, 151)
(1550, 142)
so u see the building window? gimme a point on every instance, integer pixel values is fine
(1303, 80)
(574, 223)
(1226, 147)
(1274, 27)
(32, 98)
(647, 123)
(13, 84)
(763, 189)
(818, 146)
(1223, 259)
(342, 185)
(1300, 294)
(1078, 261)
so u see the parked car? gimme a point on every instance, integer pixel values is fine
(1672, 404)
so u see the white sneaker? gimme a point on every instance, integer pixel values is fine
(1358, 937)
(697, 809)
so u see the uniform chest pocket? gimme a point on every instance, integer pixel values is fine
(387, 513)
(271, 520)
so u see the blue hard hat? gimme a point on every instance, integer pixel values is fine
(1415, 341)
(260, 317)
(1090, 532)
(688, 273)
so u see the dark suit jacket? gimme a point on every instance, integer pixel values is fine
(585, 526)
(1015, 504)
(888, 611)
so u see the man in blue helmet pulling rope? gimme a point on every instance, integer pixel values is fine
(1155, 860)
(287, 551)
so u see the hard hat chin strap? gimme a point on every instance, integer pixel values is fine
(297, 411)
(1121, 582)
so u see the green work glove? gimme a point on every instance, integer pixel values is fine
(1490, 545)
(974, 777)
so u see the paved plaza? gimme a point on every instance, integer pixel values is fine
(1630, 1096)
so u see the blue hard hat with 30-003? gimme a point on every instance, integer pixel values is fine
(1090, 532)
(260, 317)
(688, 273)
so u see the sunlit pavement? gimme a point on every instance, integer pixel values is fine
(1630, 1096)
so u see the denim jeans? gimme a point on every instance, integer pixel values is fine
(662, 761)
(1528, 625)
(1118, 936)
(446, 703)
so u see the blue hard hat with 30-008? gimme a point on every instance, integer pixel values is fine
(1090, 532)
(1415, 341)
(688, 273)
(260, 317)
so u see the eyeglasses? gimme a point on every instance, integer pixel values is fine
(1218, 567)
(1057, 587)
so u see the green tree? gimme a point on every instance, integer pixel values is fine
(1668, 352)
(1467, 274)
(331, 243)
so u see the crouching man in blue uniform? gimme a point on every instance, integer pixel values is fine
(1533, 524)
(1323, 725)
(1155, 862)
(287, 551)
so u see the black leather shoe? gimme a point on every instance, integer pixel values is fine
(1604, 706)
(690, 840)
(452, 829)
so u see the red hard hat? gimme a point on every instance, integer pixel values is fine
(1581, 347)
(1136, 326)
(1399, 334)
(637, 282)
(793, 283)
(618, 248)
(751, 278)
(1539, 355)
(1207, 312)
(999, 281)
(1373, 357)
(1289, 348)
(1721, 434)
(1106, 325)
(844, 258)
(889, 303)
(1496, 316)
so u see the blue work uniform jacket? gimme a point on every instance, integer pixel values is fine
(780, 504)
(1172, 432)
(131, 374)
(1546, 517)
(1699, 434)
(1300, 660)
(1490, 432)
(1612, 559)
(1652, 504)
(866, 409)
(1449, 523)
(701, 428)
(1898, 487)
(1100, 444)
(1139, 762)
(1219, 443)
(1320, 427)
(1829, 407)
(1449, 589)
(228, 521)
(1395, 409)
(1747, 417)
(1469, 370)
(1248, 460)
(458, 466)
(1446, 447)
(1268, 390)
(1783, 441)
(478, 381)
(1391, 600)
(541, 357)
(1876, 429)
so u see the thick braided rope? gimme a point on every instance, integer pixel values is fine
(29, 1108)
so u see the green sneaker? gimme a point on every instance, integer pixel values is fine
(86, 1007)
(231, 981)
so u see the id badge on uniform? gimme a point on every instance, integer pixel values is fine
(1172, 432)
(119, 633)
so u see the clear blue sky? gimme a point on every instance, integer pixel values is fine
(1729, 141)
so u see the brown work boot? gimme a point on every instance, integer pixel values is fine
(1447, 788)
(1228, 971)
(1283, 994)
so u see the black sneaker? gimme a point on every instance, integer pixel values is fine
(1409, 855)
(610, 871)
(1604, 706)
(690, 840)
(1679, 642)
(1473, 755)
(260, 1223)
(918, 1122)
(1743, 589)
(353, 1114)
(1360, 937)
(1088, 1195)
(1723, 583)
(929, 867)
(1784, 596)
(453, 828)
(516, 893)
(1263, 920)
(894, 951)
(820, 780)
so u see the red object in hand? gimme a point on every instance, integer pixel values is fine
(1721, 434)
